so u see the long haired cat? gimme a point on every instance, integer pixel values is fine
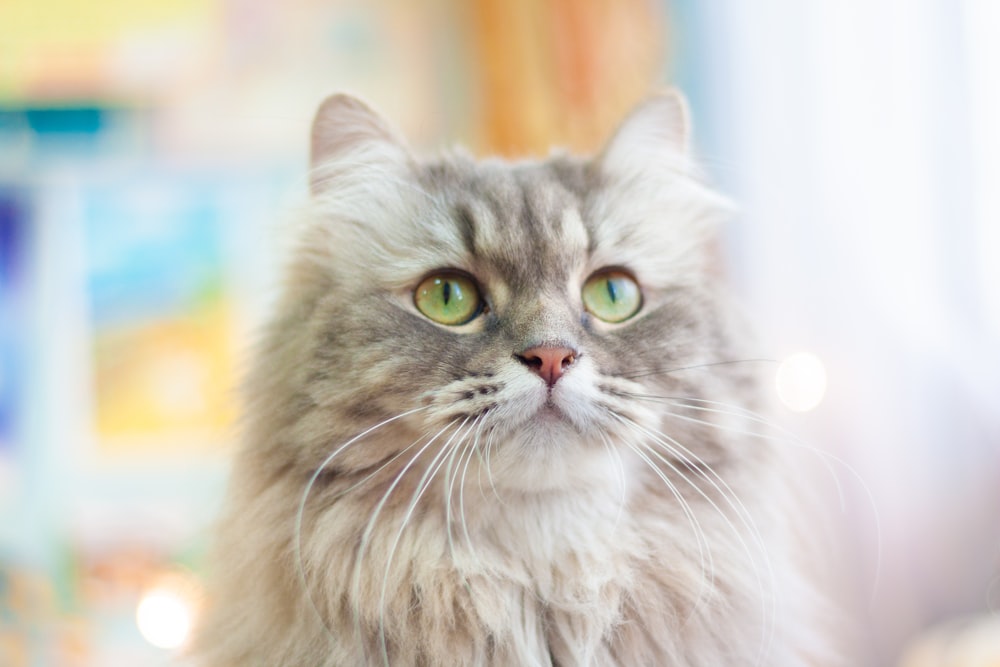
(501, 417)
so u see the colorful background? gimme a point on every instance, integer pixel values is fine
(152, 152)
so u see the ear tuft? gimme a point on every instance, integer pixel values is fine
(656, 131)
(344, 125)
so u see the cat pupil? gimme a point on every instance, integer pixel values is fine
(612, 291)
(446, 292)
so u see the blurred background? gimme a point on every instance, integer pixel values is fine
(150, 152)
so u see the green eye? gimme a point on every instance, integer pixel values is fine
(612, 296)
(448, 298)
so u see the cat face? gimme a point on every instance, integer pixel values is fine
(538, 310)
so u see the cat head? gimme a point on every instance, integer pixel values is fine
(539, 309)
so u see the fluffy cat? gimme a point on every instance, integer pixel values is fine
(501, 417)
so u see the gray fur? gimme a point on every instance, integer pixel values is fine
(634, 524)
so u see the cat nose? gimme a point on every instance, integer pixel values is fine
(549, 362)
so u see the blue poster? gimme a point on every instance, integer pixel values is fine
(13, 238)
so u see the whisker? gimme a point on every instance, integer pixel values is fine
(710, 364)
(464, 449)
(621, 477)
(789, 439)
(739, 411)
(704, 546)
(449, 484)
(706, 558)
(432, 469)
(825, 460)
(482, 460)
(673, 447)
(300, 512)
(388, 462)
(370, 527)
(488, 455)
(473, 448)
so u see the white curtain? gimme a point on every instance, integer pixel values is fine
(862, 140)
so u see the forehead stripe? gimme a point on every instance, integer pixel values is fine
(466, 228)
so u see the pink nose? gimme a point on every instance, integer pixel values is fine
(549, 362)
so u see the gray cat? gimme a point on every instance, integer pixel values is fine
(499, 419)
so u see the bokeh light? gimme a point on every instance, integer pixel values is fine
(801, 382)
(167, 611)
(164, 619)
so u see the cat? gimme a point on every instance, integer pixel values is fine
(504, 415)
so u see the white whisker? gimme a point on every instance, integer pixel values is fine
(768, 619)
(706, 558)
(472, 448)
(789, 439)
(704, 546)
(488, 455)
(370, 527)
(300, 512)
(432, 469)
(449, 485)
(622, 479)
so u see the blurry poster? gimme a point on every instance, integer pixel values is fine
(57, 49)
(161, 319)
(13, 251)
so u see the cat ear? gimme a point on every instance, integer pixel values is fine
(346, 128)
(658, 131)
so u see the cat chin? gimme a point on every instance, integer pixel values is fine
(551, 455)
(560, 464)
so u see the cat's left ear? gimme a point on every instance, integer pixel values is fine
(345, 128)
(658, 131)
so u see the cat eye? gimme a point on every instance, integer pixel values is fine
(448, 298)
(612, 296)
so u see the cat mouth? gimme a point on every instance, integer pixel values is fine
(550, 412)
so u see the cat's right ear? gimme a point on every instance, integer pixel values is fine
(345, 128)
